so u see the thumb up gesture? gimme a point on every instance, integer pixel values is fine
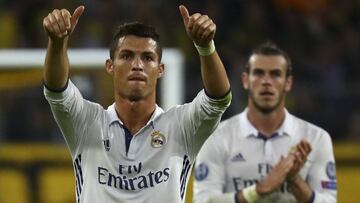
(200, 28)
(60, 23)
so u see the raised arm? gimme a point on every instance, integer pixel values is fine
(201, 29)
(59, 24)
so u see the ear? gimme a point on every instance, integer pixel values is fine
(245, 80)
(289, 82)
(109, 66)
(161, 70)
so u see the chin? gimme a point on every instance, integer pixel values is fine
(134, 99)
(132, 95)
(266, 108)
(136, 96)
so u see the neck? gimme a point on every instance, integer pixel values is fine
(134, 114)
(266, 123)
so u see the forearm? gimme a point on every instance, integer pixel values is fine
(56, 67)
(214, 75)
(300, 189)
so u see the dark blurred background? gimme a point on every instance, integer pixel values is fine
(321, 36)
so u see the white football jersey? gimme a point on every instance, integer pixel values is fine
(155, 167)
(235, 157)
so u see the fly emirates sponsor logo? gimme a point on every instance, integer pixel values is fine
(129, 177)
(263, 170)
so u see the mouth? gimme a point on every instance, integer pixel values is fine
(266, 93)
(137, 78)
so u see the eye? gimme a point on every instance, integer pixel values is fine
(125, 56)
(276, 73)
(149, 58)
(258, 72)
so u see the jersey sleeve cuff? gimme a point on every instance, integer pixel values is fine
(312, 197)
(56, 91)
(220, 97)
(222, 101)
(55, 95)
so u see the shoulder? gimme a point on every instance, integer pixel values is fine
(219, 142)
(228, 129)
(320, 140)
(309, 130)
(169, 114)
(230, 122)
(237, 122)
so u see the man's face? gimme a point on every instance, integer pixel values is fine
(135, 68)
(267, 82)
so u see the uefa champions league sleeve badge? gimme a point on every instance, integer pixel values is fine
(331, 170)
(157, 139)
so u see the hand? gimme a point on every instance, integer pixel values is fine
(200, 28)
(276, 177)
(60, 23)
(300, 153)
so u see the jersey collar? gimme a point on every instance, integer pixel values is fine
(250, 130)
(114, 118)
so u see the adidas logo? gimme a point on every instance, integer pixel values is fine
(238, 157)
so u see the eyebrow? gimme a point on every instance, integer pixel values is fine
(263, 69)
(132, 51)
(149, 53)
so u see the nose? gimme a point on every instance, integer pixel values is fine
(266, 79)
(137, 64)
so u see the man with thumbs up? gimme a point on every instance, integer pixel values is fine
(133, 151)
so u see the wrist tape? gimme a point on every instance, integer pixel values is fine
(250, 194)
(206, 51)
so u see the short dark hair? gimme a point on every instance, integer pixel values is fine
(139, 30)
(269, 48)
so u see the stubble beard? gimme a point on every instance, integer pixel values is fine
(266, 109)
(134, 98)
(135, 95)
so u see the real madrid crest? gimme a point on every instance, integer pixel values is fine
(157, 139)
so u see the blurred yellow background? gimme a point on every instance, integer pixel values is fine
(43, 173)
